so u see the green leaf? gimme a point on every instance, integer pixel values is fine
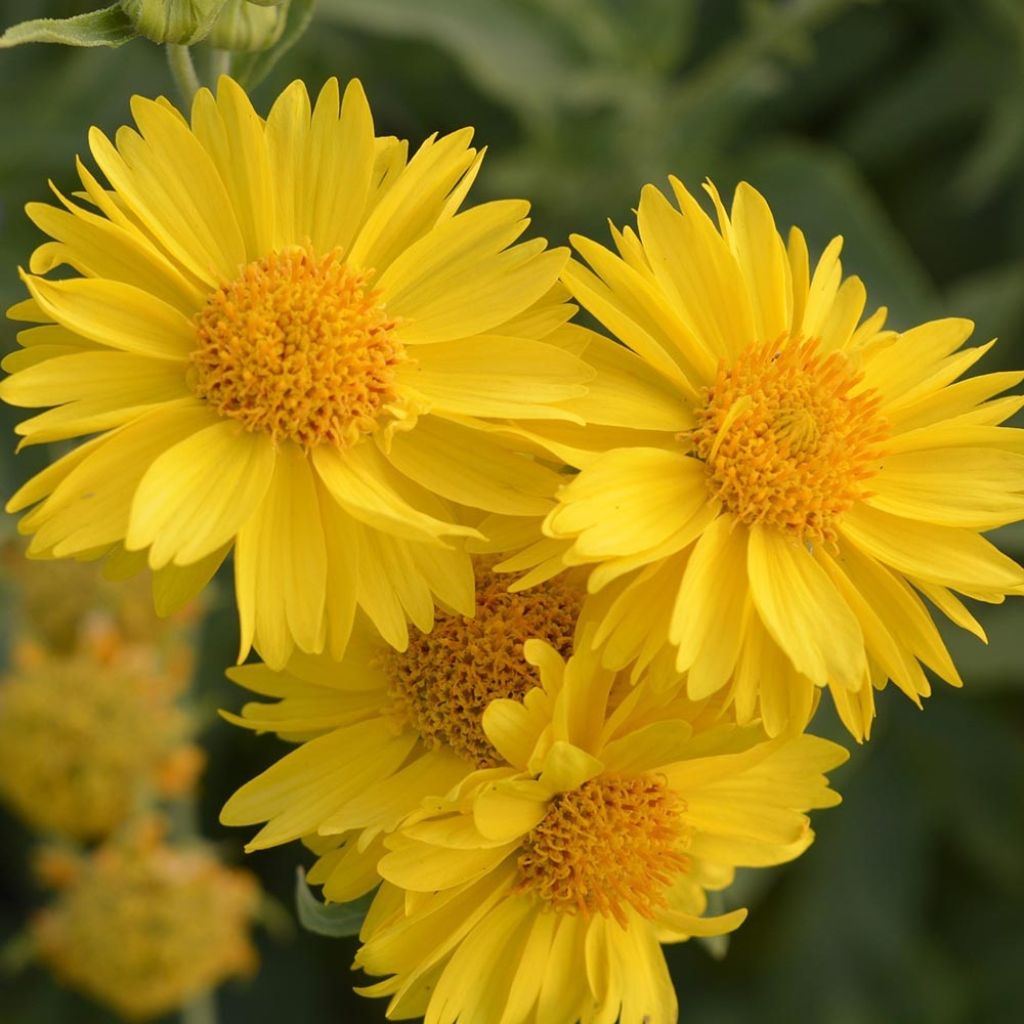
(509, 53)
(251, 68)
(107, 27)
(335, 920)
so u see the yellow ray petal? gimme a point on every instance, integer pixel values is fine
(196, 496)
(803, 611)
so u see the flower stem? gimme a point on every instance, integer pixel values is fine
(201, 1011)
(179, 59)
(220, 64)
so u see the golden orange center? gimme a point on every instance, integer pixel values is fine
(299, 347)
(788, 439)
(611, 844)
(441, 685)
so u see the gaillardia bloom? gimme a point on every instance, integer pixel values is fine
(90, 738)
(384, 729)
(145, 927)
(540, 891)
(800, 479)
(283, 333)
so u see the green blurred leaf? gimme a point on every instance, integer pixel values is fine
(504, 49)
(994, 299)
(335, 920)
(107, 27)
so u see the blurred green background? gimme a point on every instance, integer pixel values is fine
(899, 124)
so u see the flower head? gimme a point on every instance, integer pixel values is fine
(89, 739)
(385, 729)
(782, 480)
(144, 927)
(541, 890)
(288, 341)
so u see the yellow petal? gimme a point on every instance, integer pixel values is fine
(361, 481)
(281, 564)
(762, 259)
(490, 375)
(803, 611)
(469, 467)
(938, 554)
(196, 496)
(117, 315)
(707, 620)
(627, 501)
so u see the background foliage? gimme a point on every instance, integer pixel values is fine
(898, 123)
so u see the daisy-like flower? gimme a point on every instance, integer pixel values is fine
(797, 477)
(540, 891)
(89, 739)
(283, 332)
(144, 927)
(384, 729)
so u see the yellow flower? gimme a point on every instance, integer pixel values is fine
(541, 891)
(144, 927)
(384, 729)
(87, 740)
(797, 478)
(283, 332)
(62, 604)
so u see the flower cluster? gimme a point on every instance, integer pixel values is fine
(143, 926)
(88, 740)
(96, 742)
(546, 611)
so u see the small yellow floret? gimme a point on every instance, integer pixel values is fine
(612, 843)
(299, 347)
(86, 740)
(788, 438)
(144, 928)
(443, 682)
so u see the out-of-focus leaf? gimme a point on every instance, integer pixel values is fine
(822, 192)
(107, 27)
(994, 299)
(505, 51)
(639, 35)
(250, 69)
(999, 152)
(335, 920)
(948, 84)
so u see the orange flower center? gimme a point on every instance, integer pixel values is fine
(611, 844)
(299, 347)
(441, 685)
(788, 439)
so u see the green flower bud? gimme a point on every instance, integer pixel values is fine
(173, 21)
(245, 27)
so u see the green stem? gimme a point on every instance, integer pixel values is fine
(220, 64)
(201, 1011)
(179, 59)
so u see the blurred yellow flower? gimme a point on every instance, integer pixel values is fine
(796, 478)
(540, 891)
(384, 729)
(89, 739)
(60, 604)
(144, 927)
(283, 332)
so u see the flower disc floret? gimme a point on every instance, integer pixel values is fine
(442, 684)
(300, 347)
(612, 843)
(788, 439)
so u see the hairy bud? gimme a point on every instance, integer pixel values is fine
(181, 22)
